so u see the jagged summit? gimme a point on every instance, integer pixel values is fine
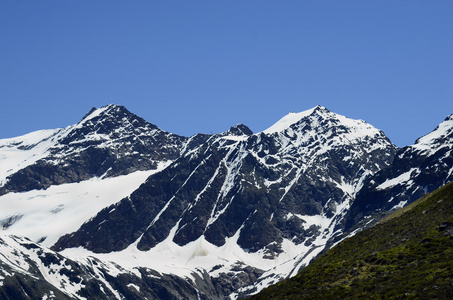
(106, 109)
(322, 122)
(107, 142)
(292, 118)
(321, 130)
(240, 130)
(108, 123)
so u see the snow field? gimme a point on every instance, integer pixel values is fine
(64, 208)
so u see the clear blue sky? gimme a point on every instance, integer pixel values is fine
(203, 66)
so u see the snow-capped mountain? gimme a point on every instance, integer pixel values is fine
(276, 196)
(107, 142)
(210, 216)
(416, 170)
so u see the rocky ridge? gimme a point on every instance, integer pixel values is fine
(109, 141)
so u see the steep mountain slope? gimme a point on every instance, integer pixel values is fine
(408, 255)
(415, 171)
(108, 141)
(279, 195)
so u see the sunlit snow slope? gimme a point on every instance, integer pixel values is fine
(46, 215)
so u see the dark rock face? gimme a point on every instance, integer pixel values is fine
(109, 141)
(416, 170)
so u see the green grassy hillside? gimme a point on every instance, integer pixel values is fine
(408, 255)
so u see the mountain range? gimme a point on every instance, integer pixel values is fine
(115, 208)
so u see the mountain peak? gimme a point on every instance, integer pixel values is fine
(316, 113)
(94, 111)
(239, 130)
(320, 108)
(111, 110)
(107, 142)
(320, 125)
(290, 119)
(108, 119)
